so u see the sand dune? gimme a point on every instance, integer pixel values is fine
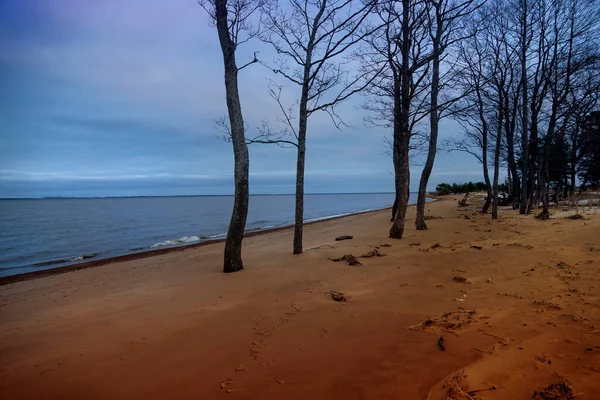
(522, 313)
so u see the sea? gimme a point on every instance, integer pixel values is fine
(39, 234)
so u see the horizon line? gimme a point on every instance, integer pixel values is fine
(177, 195)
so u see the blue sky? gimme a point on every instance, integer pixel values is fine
(118, 98)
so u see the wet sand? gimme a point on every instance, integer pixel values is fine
(173, 326)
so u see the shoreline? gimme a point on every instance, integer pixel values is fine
(5, 280)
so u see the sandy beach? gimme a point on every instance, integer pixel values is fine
(517, 302)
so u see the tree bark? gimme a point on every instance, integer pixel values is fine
(573, 166)
(484, 157)
(232, 260)
(302, 127)
(544, 178)
(488, 199)
(524, 116)
(497, 156)
(533, 163)
(401, 126)
(434, 126)
(509, 127)
(299, 214)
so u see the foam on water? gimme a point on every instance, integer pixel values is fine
(185, 239)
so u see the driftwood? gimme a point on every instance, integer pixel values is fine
(349, 258)
(344, 237)
(337, 296)
(463, 202)
(372, 253)
(557, 391)
(460, 279)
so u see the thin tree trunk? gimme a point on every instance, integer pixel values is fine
(401, 126)
(572, 171)
(484, 150)
(545, 162)
(232, 260)
(302, 127)
(545, 192)
(510, 122)
(403, 171)
(534, 170)
(524, 116)
(486, 174)
(488, 198)
(434, 128)
(497, 159)
(396, 160)
(299, 216)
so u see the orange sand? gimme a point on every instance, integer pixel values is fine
(172, 326)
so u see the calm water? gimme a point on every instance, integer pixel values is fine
(47, 233)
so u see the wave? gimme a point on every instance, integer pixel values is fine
(340, 215)
(184, 239)
(217, 235)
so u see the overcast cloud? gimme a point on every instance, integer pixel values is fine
(117, 98)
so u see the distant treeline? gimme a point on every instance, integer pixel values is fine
(456, 188)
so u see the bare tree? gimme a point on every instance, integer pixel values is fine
(571, 24)
(472, 110)
(445, 22)
(310, 37)
(489, 70)
(232, 19)
(525, 39)
(401, 53)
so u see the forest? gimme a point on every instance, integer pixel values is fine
(459, 188)
(521, 79)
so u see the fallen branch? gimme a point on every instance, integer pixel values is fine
(349, 258)
(472, 392)
(463, 392)
(494, 336)
(318, 247)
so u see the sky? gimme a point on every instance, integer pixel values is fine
(119, 98)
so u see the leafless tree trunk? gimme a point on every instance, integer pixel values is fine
(310, 39)
(524, 112)
(557, 52)
(302, 126)
(471, 110)
(484, 150)
(510, 127)
(433, 117)
(231, 19)
(233, 244)
(445, 16)
(500, 119)
(402, 100)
